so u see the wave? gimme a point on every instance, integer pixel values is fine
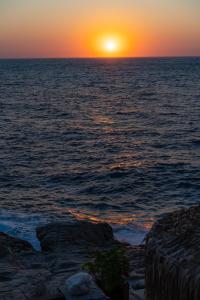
(125, 227)
(23, 225)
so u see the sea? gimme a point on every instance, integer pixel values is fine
(114, 140)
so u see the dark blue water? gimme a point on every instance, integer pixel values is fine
(115, 139)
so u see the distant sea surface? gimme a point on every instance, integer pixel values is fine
(99, 139)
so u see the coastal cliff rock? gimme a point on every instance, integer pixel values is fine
(27, 274)
(173, 257)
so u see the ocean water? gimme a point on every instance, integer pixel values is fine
(114, 140)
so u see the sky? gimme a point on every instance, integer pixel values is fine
(99, 28)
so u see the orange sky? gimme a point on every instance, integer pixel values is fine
(79, 28)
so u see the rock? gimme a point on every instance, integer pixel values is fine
(23, 274)
(82, 286)
(137, 284)
(136, 256)
(67, 246)
(134, 275)
(138, 295)
(13, 246)
(79, 284)
(27, 274)
(55, 236)
(172, 257)
(22, 271)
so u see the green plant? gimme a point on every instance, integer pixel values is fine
(110, 269)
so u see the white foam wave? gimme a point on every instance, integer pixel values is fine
(131, 233)
(125, 227)
(21, 225)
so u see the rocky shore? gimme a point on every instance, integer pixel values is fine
(166, 268)
(172, 254)
(28, 274)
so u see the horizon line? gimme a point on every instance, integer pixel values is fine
(101, 57)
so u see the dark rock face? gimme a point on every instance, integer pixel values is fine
(27, 274)
(13, 246)
(173, 257)
(55, 236)
(23, 272)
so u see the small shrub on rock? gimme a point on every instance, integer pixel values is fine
(110, 269)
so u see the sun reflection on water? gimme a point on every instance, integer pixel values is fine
(109, 217)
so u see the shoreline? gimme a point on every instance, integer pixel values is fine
(170, 257)
(47, 270)
(23, 225)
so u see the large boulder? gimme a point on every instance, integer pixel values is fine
(83, 287)
(172, 257)
(55, 236)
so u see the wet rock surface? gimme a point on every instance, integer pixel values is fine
(172, 257)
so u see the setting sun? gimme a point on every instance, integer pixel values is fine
(111, 45)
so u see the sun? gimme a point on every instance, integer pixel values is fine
(111, 45)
